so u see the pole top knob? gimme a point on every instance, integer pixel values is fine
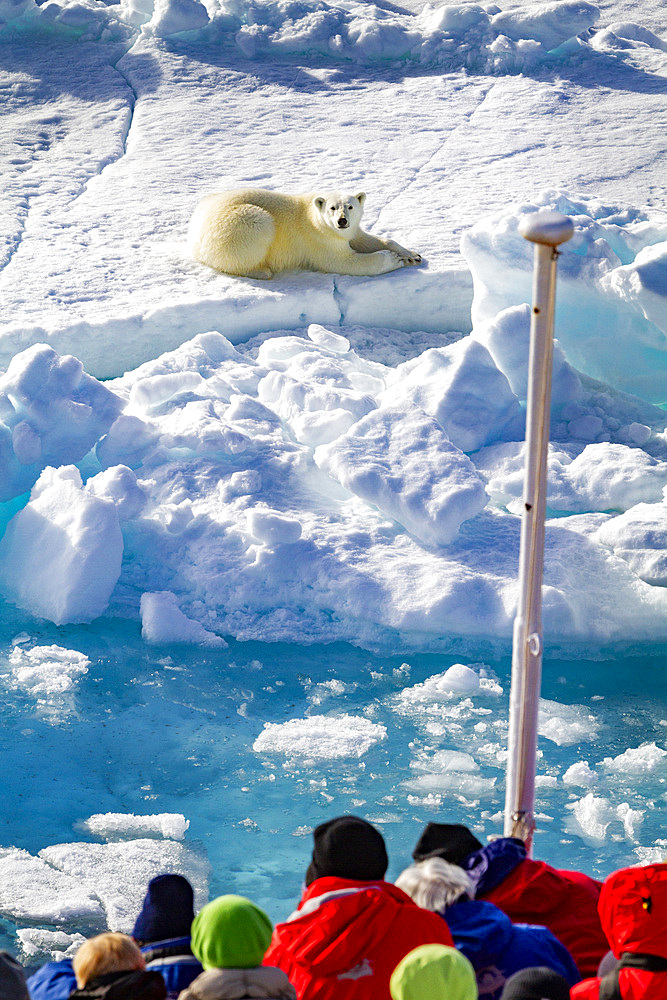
(549, 228)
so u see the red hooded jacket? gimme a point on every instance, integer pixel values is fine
(633, 911)
(346, 938)
(564, 901)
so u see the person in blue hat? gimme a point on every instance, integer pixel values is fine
(162, 931)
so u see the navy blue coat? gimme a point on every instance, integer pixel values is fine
(174, 959)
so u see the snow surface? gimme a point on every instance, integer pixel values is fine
(203, 459)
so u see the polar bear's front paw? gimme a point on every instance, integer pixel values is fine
(393, 259)
(409, 257)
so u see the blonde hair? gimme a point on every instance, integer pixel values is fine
(435, 884)
(109, 952)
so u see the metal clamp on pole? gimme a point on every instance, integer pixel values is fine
(546, 230)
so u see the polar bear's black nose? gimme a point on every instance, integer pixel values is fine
(343, 223)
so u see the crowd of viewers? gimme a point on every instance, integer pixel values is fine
(464, 921)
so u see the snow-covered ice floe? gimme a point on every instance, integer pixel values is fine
(296, 488)
(326, 737)
(83, 888)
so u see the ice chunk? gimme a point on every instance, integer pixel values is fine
(451, 782)
(655, 854)
(199, 426)
(39, 945)
(46, 670)
(602, 477)
(154, 391)
(52, 413)
(171, 17)
(643, 283)
(566, 724)
(128, 439)
(640, 537)
(126, 826)
(402, 462)
(326, 338)
(461, 387)
(12, 10)
(136, 12)
(638, 760)
(162, 621)
(322, 426)
(610, 325)
(549, 23)
(119, 483)
(273, 528)
(455, 18)
(594, 814)
(446, 696)
(632, 819)
(306, 395)
(446, 760)
(120, 872)
(61, 555)
(457, 679)
(580, 774)
(320, 737)
(507, 338)
(34, 891)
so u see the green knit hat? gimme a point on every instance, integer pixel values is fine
(230, 932)
(434, 971)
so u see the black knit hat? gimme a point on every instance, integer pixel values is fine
(539, 983)
(450, 841)
(167, 911)
(348, 847)
(12, 978)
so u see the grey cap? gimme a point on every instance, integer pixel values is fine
(12, 978)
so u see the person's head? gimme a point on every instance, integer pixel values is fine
(433, 972)
(167, 911)
(434, 884)
(230, 932)
(538, 983)
(450, 841)
(12, 978)
(348, 847)
(108, 952)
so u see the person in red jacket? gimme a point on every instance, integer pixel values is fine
(528, 891)
(633, 911)
(351, 927)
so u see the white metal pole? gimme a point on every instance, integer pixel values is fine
(546, 230)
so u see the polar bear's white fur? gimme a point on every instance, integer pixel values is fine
(254, 233)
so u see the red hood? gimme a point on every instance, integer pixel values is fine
(633, 910)
(329, 939)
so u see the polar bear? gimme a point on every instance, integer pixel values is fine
(255, 233)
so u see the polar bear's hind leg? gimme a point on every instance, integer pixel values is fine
(236, 240)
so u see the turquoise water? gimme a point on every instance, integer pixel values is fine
(171, 730)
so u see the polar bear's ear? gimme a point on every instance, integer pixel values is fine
(361, 198)
(319, 203)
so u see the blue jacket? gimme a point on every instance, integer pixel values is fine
(54, 981)
(174, 959)
(491, 865)
(497, 948)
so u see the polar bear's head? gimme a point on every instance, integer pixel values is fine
(342, 212)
